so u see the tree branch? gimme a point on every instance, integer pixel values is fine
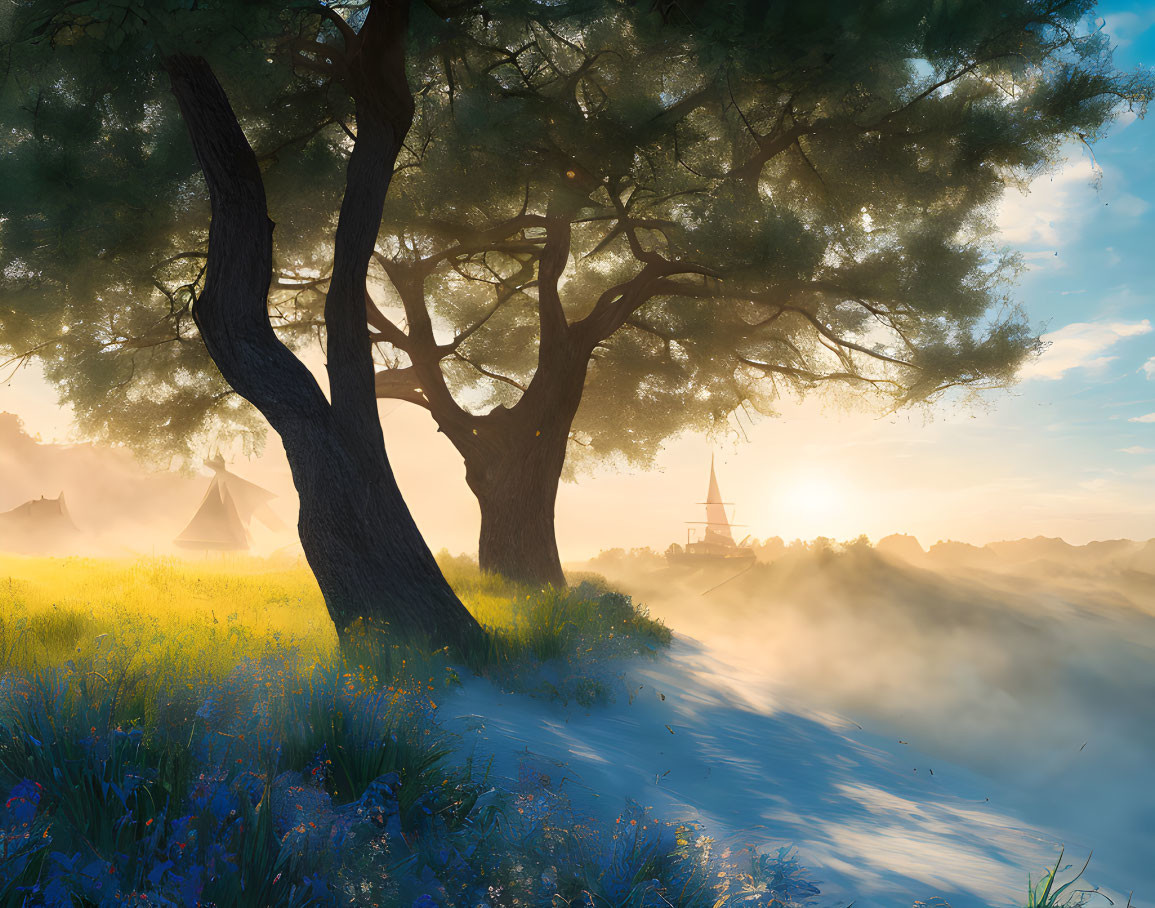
(388, 331)
(384, 108)
(421, 344)
(487, 239)
(400, 384)
(490, 374)
(554, 258)
(816, 377)
(770, 147)
(502, 298)
(232, 310)
(619, 302)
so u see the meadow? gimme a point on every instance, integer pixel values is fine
(187, 733)
(176, 733)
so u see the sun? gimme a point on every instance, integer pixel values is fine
(813, 495)
(812, 504)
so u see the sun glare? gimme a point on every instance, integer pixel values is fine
(811, 505)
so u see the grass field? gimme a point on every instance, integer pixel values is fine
(179, 623)
(183, 733)
(187, 733)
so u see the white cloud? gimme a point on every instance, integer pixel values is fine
(1150, 417)
(1047, 214)
(1124, 26)
(1137, 449)
(1124, 118)
(1129, 206)
(1149, 368)
(1081, 345)
(1033, 217)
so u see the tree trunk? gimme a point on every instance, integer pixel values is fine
(357, 533)
(513, 464)
(364, 548)
(517, 491)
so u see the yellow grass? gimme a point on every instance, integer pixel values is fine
(169, 624)
(198, 617)
(270, 598)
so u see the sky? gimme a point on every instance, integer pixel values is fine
(1069, 451)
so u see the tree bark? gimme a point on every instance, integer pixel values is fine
(513, 456)
(357, 533)
(516, 483)
(513, 464)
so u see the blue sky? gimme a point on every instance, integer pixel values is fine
(1087, 238)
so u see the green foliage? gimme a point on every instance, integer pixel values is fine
(818, 178)
(265, 875)
(1047, 892)
(815, 183)
(363, 732)
(109, 785)
(556, 644)
(106, 220)
(254, 818)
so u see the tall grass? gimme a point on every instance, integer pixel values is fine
(179, 623)
(174, 623)
(1048, 892)
(187, 733)
(275, 785)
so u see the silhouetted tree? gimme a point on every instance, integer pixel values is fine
(607, 231)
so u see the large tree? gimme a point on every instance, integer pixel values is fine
(611, 222)
(605, 232)
(84, 94)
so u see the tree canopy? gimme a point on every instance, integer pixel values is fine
(754, 203)
(609, 222)
(104, 229)
(105, 225)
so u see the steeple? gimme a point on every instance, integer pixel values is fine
(717, 523)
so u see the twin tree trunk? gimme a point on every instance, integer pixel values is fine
(360, 540)
(367, 554)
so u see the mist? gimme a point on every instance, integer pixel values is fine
(1026, 664)
(1018, 670)
(119, 506)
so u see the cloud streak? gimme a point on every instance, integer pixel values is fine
(1125, 26)
(1081, 345)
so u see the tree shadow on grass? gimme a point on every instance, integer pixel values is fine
(870, 821)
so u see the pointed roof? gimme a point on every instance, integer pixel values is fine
(717, 523)
(221, 521)
(37, 525)
(216, 524)
(250, 499)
